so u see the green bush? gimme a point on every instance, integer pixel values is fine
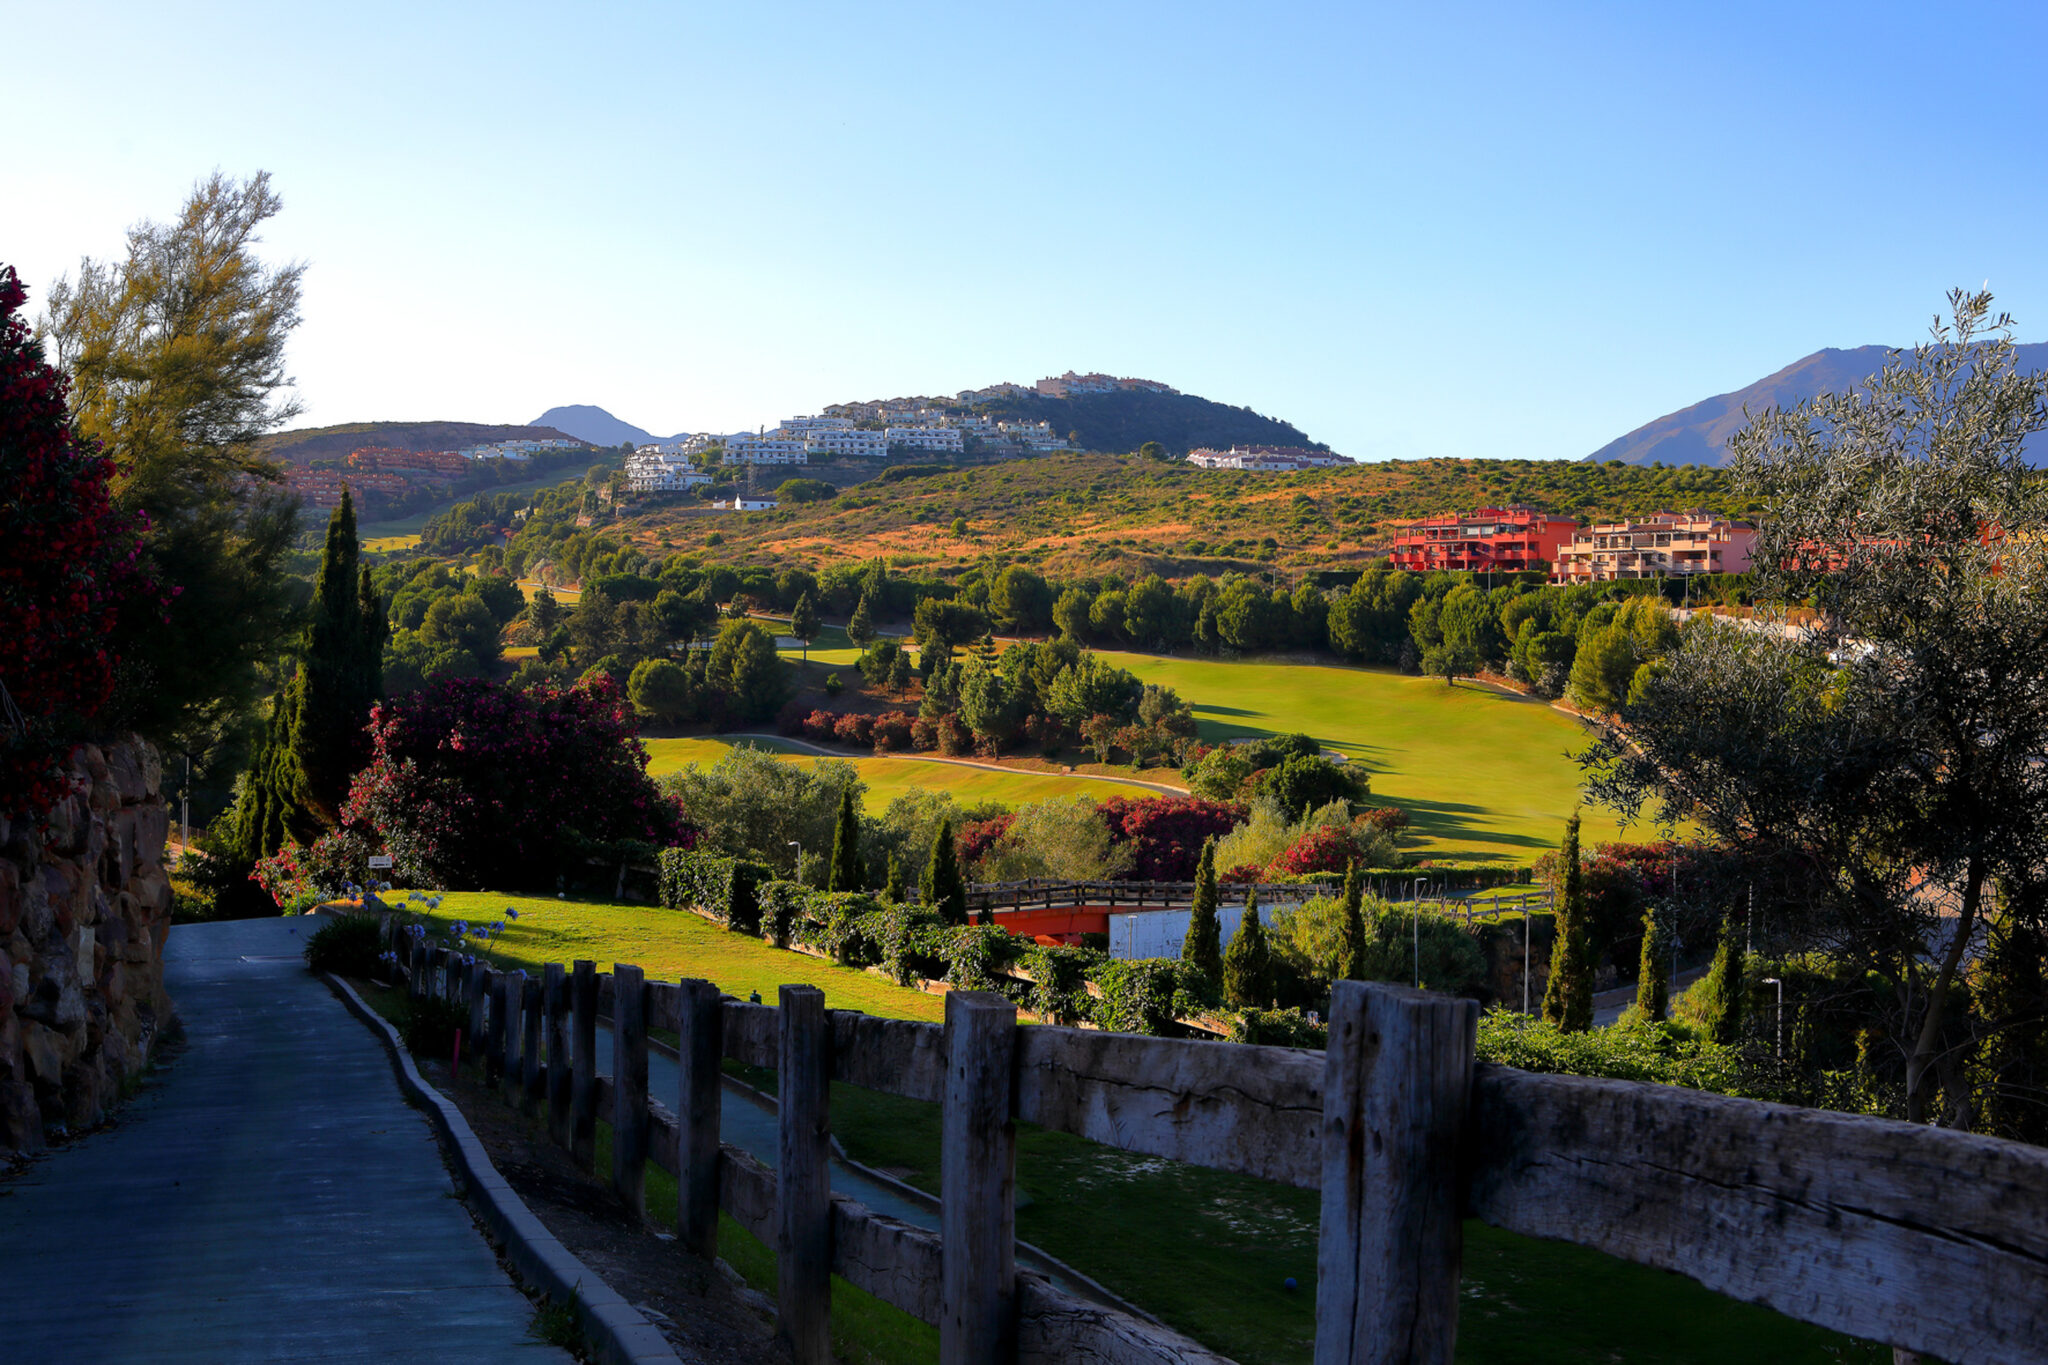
(1278, 1028)
(429, 1025)
(1059, 987)
(725, 888)
(1665, 1053)
(346, 945)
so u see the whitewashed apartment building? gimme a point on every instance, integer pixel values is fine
(848, 441)
(650, 470)
(945, 439)
(748, 447)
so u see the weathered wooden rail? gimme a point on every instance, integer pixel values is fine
(1916, 1237)
(1042, 894)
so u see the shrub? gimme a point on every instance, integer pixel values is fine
(1666, 1054)
(1323, 850)
(1138, 997)
(1278, 1028)
(1059, 982)
(466, 782)
(892, 730)
(1386, 819)
(725, 888)
(1247, 962)
(346, 945)
(1166, 834)
(428, 1025)
(856, 730)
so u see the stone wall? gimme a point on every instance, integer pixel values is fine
(85, 904)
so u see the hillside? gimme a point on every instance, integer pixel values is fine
(1126, 420)
(1086, 514)
(1699, 434)
(334, 443)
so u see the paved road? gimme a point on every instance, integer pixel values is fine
(268, 1197)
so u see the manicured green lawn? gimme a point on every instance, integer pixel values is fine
(1481, 774)
(668, 945)
(889, 778)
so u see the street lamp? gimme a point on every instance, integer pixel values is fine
(797, 844)
(1779, 982)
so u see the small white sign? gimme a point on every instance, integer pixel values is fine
(380, 860)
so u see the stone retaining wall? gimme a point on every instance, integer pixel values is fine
(85, 904)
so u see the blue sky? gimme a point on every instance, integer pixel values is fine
(1467, 230)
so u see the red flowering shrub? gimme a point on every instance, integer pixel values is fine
(976, 837)
(892, 731)
(924, 733)
(817, 726)
(1387, 819)
(68, 560)
(472, 785)
(1244, 874)
(954, 737)
(855, 730)
(1166, 833)
(1329, 849)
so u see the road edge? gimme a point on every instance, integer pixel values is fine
(613, 1326)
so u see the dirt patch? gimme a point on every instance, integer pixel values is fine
(706, 1317)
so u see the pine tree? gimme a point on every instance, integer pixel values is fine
(846, 873)
(942, 888)
(544, 611)
(1653, 978)
(892, 891)
(1568, 999)
(803, 622)
(1248, 963)
(1353, 963)
(860, 627)
(339, 679)
(1202, 949)
(1722, 1013)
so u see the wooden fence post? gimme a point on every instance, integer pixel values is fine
(700, 1022)
(555, 1000)
(509, 1058)
(533, 1079)
(583, 1055)
(803, 1190)
(494, 1038)
(629, 1085)
(473, 974)
(978, 1183)
(450, 968)
(1397, 1080)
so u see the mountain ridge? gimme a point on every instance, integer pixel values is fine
(1699, 434)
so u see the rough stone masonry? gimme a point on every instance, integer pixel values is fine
(85, 904)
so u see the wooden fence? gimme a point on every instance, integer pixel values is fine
(1043, 894)
(1921, 1238)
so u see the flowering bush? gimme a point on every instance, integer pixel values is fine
(857, 731)
(1386, 819)
(977, 837)
(69, 562)
(1329, 848)
(1244, 874)
(474, 784)
(1165, 834)
(892, 731)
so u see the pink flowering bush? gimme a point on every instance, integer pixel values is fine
(471, 784)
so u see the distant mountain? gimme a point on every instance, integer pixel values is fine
(1699, 434)
(595, 425)
(334, 443)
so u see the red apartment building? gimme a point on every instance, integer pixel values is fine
(1496, 539)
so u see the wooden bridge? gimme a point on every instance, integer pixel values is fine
(1920, 1238)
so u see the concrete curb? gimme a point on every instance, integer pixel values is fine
(612, 1326)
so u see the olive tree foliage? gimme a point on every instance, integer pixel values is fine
(1894, 749)
(176, 359)
(750, 804)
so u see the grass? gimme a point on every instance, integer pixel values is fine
(416, 522)
(1482, 774)
(387, 544)
(668, 945)
(889, 778)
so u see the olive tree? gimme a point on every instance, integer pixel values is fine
(1893, 747)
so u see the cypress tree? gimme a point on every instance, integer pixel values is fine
(339, 679)
(892, 891)
(1202, 949)
(1723, 1013)
(259, 824)
(1353, 951)
(1248, 963)
(1653, 977)
(942, 888)
(1568, 999)
(847, 874)
(2012, 1000)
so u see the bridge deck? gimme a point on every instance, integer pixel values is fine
(268, 1197)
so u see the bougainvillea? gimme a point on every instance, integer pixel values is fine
(1328, 849)
(69, 562)
(475, 785)
(1166, 833)
(977, 837)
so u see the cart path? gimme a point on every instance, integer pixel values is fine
(268, 1196)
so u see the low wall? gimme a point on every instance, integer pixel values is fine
(85, 903)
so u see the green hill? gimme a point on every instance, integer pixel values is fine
(1127, 419)
(334, 443)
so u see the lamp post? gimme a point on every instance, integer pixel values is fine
(798, 845)
(1779, 982)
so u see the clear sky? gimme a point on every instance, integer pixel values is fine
(1443, 229)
